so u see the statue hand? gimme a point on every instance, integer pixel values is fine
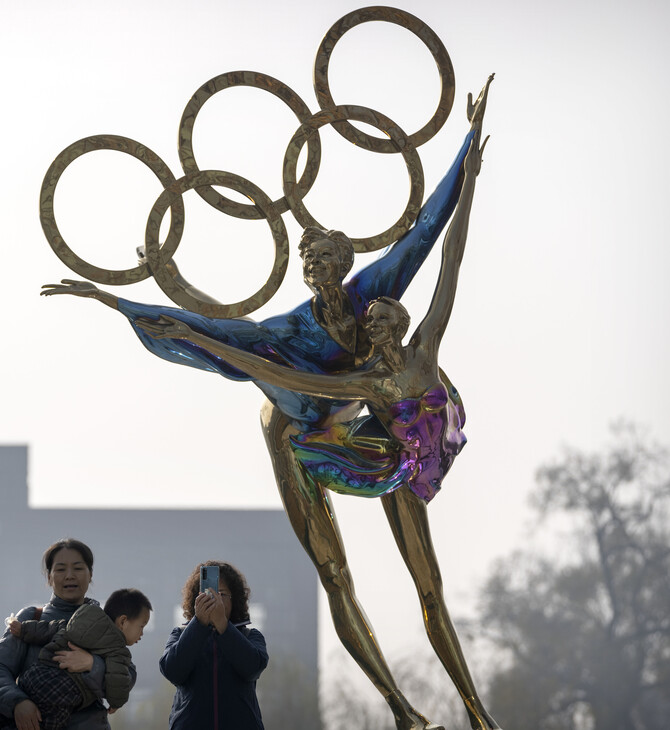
(165, 328)
(476, 111)
(70, 286)
(473, 160)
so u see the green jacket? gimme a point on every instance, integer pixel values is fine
(89, 628)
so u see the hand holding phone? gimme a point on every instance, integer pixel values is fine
(209, 578)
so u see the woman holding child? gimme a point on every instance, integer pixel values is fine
(68, 565)
(215, 659)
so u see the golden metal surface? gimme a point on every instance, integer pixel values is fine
(315, 524)
(408, 519)
(177, 288)
(48, 219)
(400, 142)
(395, 374)
(181, 291)
(425, 34)
(257, 81)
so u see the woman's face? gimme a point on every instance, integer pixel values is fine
(69, 576)
(381, 323)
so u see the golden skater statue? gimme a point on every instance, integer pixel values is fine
(318, 365)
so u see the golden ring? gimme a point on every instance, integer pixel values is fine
(425, 34)
(258, 81)
(63, 251)
(157, 257)
(398, 138)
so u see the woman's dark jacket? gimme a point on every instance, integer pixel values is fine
(92, 629)
(16, 656)
(197, 658)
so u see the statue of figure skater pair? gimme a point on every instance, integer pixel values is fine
(319, 365)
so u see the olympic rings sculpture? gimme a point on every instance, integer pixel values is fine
(157, 257)
(306, 132)
(431, 41)
(48, 219)
(258, 81)
(261, 206)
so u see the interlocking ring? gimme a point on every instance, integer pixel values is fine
(261, 206)
(402, 144)
(258, 81)
(48, 220)
(157, 257)
(425, 34)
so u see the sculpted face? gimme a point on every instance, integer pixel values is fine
(381, 323)
(321, 264)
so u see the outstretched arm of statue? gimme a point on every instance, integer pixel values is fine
(346, 386)
(81, 289)
(431, 330)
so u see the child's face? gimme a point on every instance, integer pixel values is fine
(133, 628)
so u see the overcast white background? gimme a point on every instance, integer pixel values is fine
(560, 322)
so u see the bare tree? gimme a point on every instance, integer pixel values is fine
(586, 630)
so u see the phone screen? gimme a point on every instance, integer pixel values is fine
(209, 578)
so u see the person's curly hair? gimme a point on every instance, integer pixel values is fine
(235, 581)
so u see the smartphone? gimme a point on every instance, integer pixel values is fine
(209, 578)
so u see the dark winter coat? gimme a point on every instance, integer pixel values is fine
(16, 656)
(196, 659)
(89, 628)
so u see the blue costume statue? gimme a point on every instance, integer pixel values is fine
(296, 339)
(327, 335)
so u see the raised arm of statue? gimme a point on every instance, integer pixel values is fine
(391, 274)
(429, 333)
(476, 110)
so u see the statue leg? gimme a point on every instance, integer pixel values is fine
(408, 517)
(313, 519)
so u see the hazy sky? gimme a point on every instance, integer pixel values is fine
(560, 322)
